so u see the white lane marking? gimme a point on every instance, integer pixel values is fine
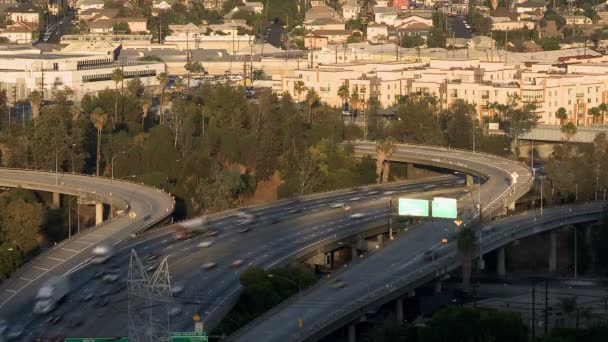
(40, 268)
(56, 259)
(86, 243)
(117, 242)
(163, 241)
(75, 268)
(70, 250)
(26, 279)
(11, 291)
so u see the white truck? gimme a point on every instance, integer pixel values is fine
(50, 294)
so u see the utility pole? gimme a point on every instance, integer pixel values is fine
(546, 307)
(390, 218)
(533, 320)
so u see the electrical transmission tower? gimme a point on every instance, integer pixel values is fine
(149, 300)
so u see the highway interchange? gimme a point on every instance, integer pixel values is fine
(282, 232)
(271, 245)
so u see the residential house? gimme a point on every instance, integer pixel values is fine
(350, 10)
(162, 4)
(256, 7)
(401, 4)
(334, 36)
(377, 33)
(101, 26)
(83, 5)
(320, 12)
(316, 3)
(313, 40)
(531, 6)
(135, 24)
(212, 4)
(577, 20)
(94, 14)
(411, 17)
(325, 24)
(23, 12)
(20, 32)
(385, 15)
(414, 29)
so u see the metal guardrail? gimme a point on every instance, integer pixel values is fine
(444, 264)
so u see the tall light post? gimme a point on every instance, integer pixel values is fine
(112, 162)
(299, 285)
(57, 162)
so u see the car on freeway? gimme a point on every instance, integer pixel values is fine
(86, 296)
(357, 216)
(205, 244)
(177, 288)
(15, 332)
(337, 283)
(388, 192)
(243, 230)
(151, 257)
(430, 255)
(237, 263)
(336, 205)
(53, 320)
(101, 254)
(151, 267)
(208, 265)
(3, 326)
(295, 210)
(175, 310)
(356, 198)
(110, 277)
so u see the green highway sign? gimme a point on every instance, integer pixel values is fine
(188, 337)
(97, 339)
(413, 207)
(443, 207)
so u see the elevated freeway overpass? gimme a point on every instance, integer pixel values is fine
(303, 226)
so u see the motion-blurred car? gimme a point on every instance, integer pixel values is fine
(336, 205)
(205, 244)
(237, 263)
(357, 216)
(337, 284)
(110, 278)
(177, 288)
(175, 310)
(208, 265)
(430, 255)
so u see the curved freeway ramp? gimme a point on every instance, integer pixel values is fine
(141, 206)
(394, 269)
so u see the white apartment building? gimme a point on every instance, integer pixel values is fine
(576, 87)
(28, 70)
(350, 9)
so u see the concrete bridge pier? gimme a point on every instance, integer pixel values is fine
(354, 253)
(470, 181)
(352, 332)
(511, 206)
(56, 200)
(98, 213)
(379, 239)
(438, 287)
(552, 251)
(501, 268)
(399, 309)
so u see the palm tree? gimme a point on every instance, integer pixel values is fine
(569, 130)
(35, 98)
(466, 246)
(99, 119)
(343, 93)
(561, 114)
(162, 79)
(179, 85)
(299, 88)
(595, 112)
(311, 99)
(384, 150)
(354, 99)
(145, 102)
(117, 77)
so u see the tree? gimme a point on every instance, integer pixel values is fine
(603, 109)
(20, 224)
(35, 98)
(561, 114)
(569, 130)
(354, 101)
(117, 77)
(595, 112)
(121, 27)
(135, 88)
(460, 124)
(600, 151)
(145, 102)
(343, 93)
(312, 98)
(466, 246)
(179, 85)
(384, 150)
(162, 79)
(298, 89)
(99, 119)
(437, 36)
(411, 41)
(521, 120)
(549, 44)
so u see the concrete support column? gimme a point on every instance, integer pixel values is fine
(98, 213)
(354, 253)
(379, 238)
(399, 310)
(552, 251)
(512, 206)
(500, 262)
(470, 180)
(352, 333)
(410, 170)
(438, 286)
(56, 201)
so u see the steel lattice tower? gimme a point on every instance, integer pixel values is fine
(149, 300)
